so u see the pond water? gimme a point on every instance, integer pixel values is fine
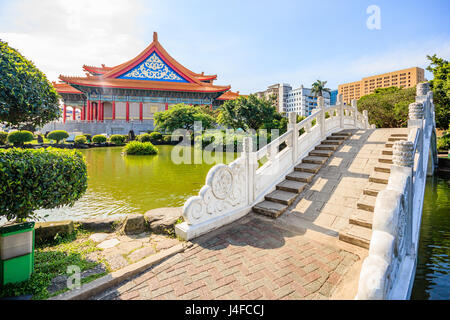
(120, 185)
(432, 281)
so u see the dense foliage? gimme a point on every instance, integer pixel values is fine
(118, 139)
(443, 143)
(139, 148)
(388, 107)
(155, 136)
(18, 138)
(99, 138)
(145, 137)
(39, 179)
(88, 137)
(58, 135)
(80, 140)
(182, 116)
(26, 96)
(3, 137)
(441, 90)
(318, 88)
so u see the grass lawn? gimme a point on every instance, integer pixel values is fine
(52, 260)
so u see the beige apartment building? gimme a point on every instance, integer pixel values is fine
(403, 79)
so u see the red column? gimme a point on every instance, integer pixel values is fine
(141, 111)
(83, 112)
(210, 106)
(89, 115)
(167, 106)
(88, 109)
(99, 116)
(96, 111)
(114, 110)
(74, 113)
(64, 113)
(128, 111)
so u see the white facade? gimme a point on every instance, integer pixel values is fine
(302, 101)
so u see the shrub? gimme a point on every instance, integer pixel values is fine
(3, 137)
(118, 139)
(140, 148)
(443, 143)
(88, 137)
(167, 139)
(155, 136)
(80, 140)
(58, 135)
(39, 179)
(99, 139)
(145, 137)
(18, 138)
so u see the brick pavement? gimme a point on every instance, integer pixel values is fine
(248, 259)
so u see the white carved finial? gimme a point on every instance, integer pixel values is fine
(247, 145)
(416, 111)
(354, 103)
(365, 113)
(292, 117)
(403, 154)
(320, 102)
(340, 98)
(422, 89)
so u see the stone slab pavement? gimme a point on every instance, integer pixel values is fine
(248, 259)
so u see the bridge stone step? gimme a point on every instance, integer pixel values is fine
(291, 186)
(379, 177)
(366, 203)
(335, 142)
(280, 196)
(386, 168)
(270, 209)
(387, 152)
(321, 153)
(399, 135)
(362, 218)
(372, 189)
(385, 160)
(342, 133)
(393, 139)
(388, 145)
(356, 235)
(315, 160)
(337, 137)
(300, 176)
(327, 147)
(308, 167)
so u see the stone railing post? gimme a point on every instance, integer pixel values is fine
(354, 111)
(249, 167)
(292, 125)
(366, 119)
(415, 114)
(403, 163)
(321, 116)
(341, 110)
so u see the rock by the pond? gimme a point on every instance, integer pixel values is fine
(129, 246)
(166, 244)
(134, 224)
(103, 225)
(48, 230)
(98, 237)
(116, 261)
(108, 244)
(142, 253)
(162, 219)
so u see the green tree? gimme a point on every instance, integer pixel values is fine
(318, 88)
(441, 90)
(388, 107)
(26, 96)
(182, 116)
(249, 113)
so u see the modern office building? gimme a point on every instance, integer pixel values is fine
(405, 78)
(302, 101)
(276, 90)
(333, 98)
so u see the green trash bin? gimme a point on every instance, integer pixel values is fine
(16, 252)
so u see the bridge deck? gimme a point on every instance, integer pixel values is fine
(296, 256)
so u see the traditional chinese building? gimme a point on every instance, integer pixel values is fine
(124, 97)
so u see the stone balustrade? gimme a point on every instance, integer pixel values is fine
(231, 190)
(388, 271)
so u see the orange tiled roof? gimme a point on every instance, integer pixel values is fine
(229, 95)
(107, 77)
(65, 88)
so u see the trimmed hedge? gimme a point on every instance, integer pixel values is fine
(88, 137)
(145, 137)
(3, 137)
(80, 140)
(118, 139)
(99, 139)
(39, 179)
(58, 135)
(18, 138)
(155, 136)
(140, 148)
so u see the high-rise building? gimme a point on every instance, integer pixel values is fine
(333, 98)
(405, 78)
(276, 90)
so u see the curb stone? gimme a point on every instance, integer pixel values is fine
(95, 287)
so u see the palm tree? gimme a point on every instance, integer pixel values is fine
(318, 88)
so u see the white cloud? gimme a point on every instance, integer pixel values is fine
(61, 36)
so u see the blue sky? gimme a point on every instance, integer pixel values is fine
(248, 44)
